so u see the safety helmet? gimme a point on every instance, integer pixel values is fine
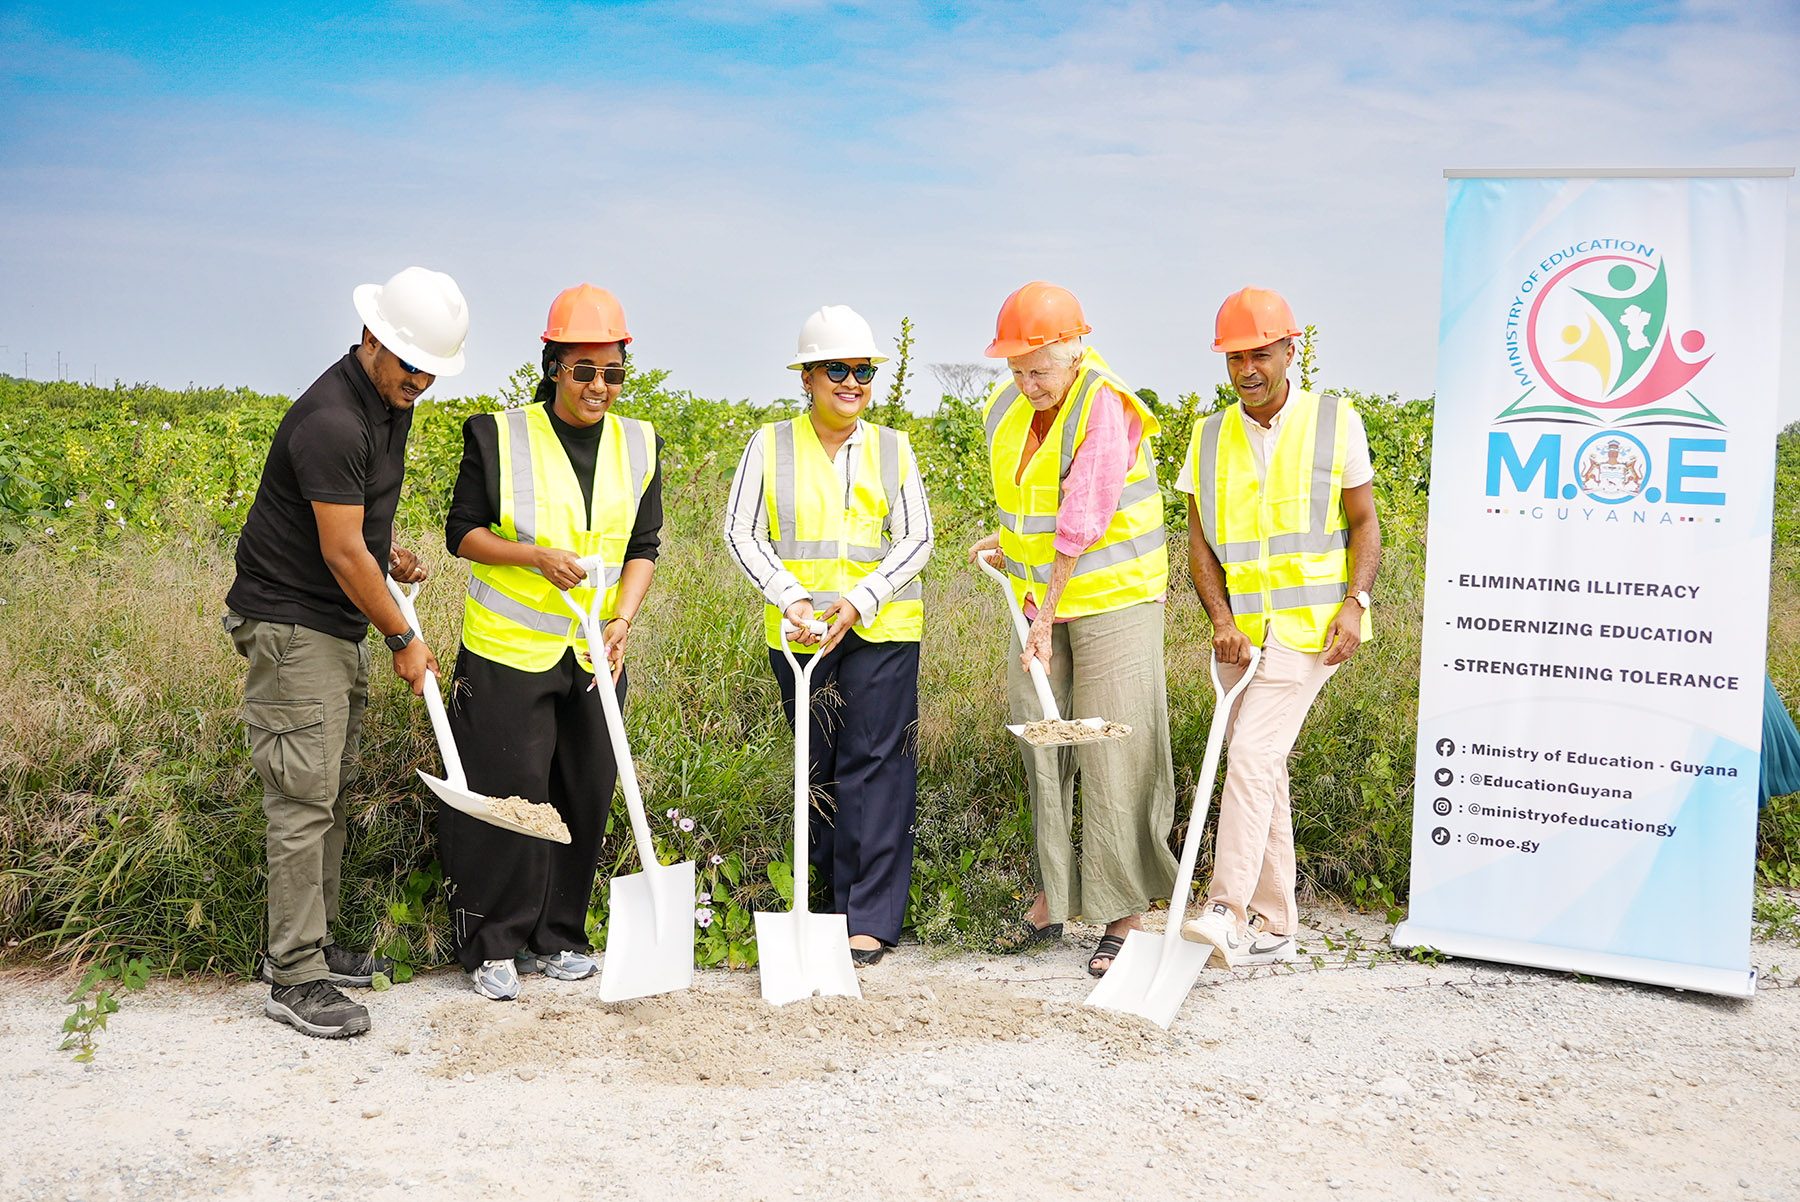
(419, 315)
(1036, 315)
(1253, 317)
(585, 313)
(835, 332)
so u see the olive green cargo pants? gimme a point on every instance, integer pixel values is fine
(1109, 666)
(303, 704)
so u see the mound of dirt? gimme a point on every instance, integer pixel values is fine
(737, 1038)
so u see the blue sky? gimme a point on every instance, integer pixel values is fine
(190, 192)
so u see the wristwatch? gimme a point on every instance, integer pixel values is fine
(398, 642)
(1361, 597)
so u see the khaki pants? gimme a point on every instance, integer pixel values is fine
(1253, 861)
(303, 704)
(1109, 666)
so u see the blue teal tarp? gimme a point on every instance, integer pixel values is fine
(1780, 749)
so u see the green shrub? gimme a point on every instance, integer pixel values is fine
(130, 817)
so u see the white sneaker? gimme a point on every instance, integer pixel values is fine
(1265, 948)
(563, 966)
(1217, 926)
(496, 980)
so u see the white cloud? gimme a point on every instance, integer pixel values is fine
(1152, 156)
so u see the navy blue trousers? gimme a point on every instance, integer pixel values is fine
(864, 752)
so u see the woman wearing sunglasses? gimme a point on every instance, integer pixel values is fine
(540, 489)
(828, 518)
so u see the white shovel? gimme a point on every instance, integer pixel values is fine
(803, 953)
(650, 914)
(454, 791)
(1039, 681)
(1152, 975)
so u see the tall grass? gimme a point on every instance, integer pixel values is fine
(130, 816)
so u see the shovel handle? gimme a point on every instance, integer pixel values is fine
(1040, 683)
(404, 596)
(615, 729)
(1223, 700)
(802, 756)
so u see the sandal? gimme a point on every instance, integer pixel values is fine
(1022, 934)
(1107, 949)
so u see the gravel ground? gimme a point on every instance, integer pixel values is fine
(957, 1077)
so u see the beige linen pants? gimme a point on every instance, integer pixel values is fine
(1108, 666)
(1253, 861)
(303, 704)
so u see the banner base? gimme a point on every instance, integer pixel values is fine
(1726, 982)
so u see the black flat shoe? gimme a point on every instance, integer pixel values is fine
(1021, 934)
(868, 955)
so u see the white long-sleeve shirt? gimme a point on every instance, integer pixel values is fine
(909, 527)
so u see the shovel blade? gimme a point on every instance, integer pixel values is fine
(649, 933)
(1151, 977)
(804, 954)
(475, 805)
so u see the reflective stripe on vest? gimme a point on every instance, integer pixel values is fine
(1129, 563)
(1283, 541)
(829, 543)
(512, 615)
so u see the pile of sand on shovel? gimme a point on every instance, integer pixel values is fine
(1047, 731)
(531, 815)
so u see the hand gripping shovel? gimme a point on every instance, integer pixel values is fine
(1051, 738)
(650, 914)
(454, 791)
(1153, 974)
(803, 953)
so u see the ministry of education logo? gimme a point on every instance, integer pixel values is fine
(1613, 467)
(1594, 337)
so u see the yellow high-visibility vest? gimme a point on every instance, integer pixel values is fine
(1284, 543)
(512, 615)
(1129, 564)
(829, 544)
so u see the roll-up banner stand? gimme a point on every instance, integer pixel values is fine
(1597, 572)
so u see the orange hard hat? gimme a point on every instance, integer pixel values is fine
(585, 313)
(1036, 315)
(1253, 317)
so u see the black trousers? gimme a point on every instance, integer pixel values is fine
(864, 753)
(541, 736)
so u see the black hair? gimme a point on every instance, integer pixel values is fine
(546, 389)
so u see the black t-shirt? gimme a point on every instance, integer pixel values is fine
(475, 501)
(340, 444)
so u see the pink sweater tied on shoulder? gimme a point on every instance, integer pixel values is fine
(1090, 494)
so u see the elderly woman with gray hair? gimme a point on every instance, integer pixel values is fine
(1081, 542)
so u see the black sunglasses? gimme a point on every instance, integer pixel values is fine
(584, 373)
(838, 372)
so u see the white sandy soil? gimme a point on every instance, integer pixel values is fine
(956, 1077)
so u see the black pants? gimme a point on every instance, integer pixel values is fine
(541, 736)
(864, 752)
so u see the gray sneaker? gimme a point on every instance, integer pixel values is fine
(346, 968)
(317, 1009)
(563, 966)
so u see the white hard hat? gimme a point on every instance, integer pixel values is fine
(421, 316)
(836, 332)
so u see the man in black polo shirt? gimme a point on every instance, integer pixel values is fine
(310, 566)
